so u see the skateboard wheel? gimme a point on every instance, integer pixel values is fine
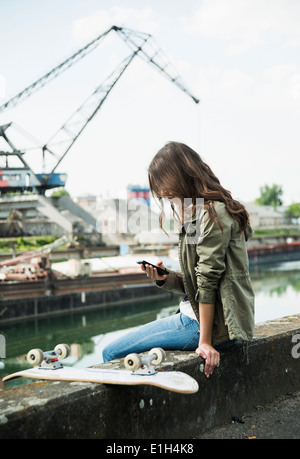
(160, 355)
(35, 357)
(132, 362)
(63, 351)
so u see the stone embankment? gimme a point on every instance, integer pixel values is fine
(268, 368)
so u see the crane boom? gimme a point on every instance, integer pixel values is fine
(60, 143)
(154, 56)
(71, 130)
(59, 69)
(65, 137)
(130, 37)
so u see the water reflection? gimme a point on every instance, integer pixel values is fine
(86, 334)
(277, 290)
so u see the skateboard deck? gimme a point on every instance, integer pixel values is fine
(174, 381)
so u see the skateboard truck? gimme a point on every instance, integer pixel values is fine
(142, 364)
(48, 360)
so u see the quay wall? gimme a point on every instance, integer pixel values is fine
(37, 299)
(274, 253)
(14, 310)
(247, 377)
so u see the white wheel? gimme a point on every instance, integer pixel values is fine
(160, 355)
(35, 357)
(132, 362)
(63, 350)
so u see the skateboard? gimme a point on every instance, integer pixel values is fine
(138, 370)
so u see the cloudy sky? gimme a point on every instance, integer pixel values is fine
(239, 57)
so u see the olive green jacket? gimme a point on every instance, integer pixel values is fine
(214, 269)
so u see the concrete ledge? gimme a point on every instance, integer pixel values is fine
(270, 367)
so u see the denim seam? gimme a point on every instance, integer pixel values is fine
(177, 329)
(188, 324)
(190, 340)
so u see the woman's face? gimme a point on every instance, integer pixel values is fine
(172, 199)
(167, 195)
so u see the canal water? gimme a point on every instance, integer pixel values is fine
(277, 294)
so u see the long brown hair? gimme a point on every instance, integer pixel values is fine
(178, 171)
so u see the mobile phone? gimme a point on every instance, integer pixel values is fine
(160, 271)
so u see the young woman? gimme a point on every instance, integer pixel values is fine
(218, 307)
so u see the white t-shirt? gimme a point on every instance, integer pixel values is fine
(186, 308)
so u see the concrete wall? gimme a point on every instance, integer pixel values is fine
(270, 367)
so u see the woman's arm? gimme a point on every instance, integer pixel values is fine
(205, 348)
(211, 251)
(172, 281)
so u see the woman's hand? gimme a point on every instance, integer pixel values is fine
(152, 272)
(211, 356)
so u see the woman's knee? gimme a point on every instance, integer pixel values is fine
(109, 353)
(105, 355)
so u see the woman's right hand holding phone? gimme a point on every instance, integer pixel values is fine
(151, 271)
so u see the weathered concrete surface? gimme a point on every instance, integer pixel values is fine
(279, 419)
(270, 368)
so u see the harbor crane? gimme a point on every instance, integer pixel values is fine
(23, 177)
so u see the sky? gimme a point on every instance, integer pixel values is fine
(239, 57)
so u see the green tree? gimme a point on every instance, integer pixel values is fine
(270, 196)
(294, 210)
(60, 192)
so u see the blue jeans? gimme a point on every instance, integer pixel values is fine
(176, 332)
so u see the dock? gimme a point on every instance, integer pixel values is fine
(73, 296)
